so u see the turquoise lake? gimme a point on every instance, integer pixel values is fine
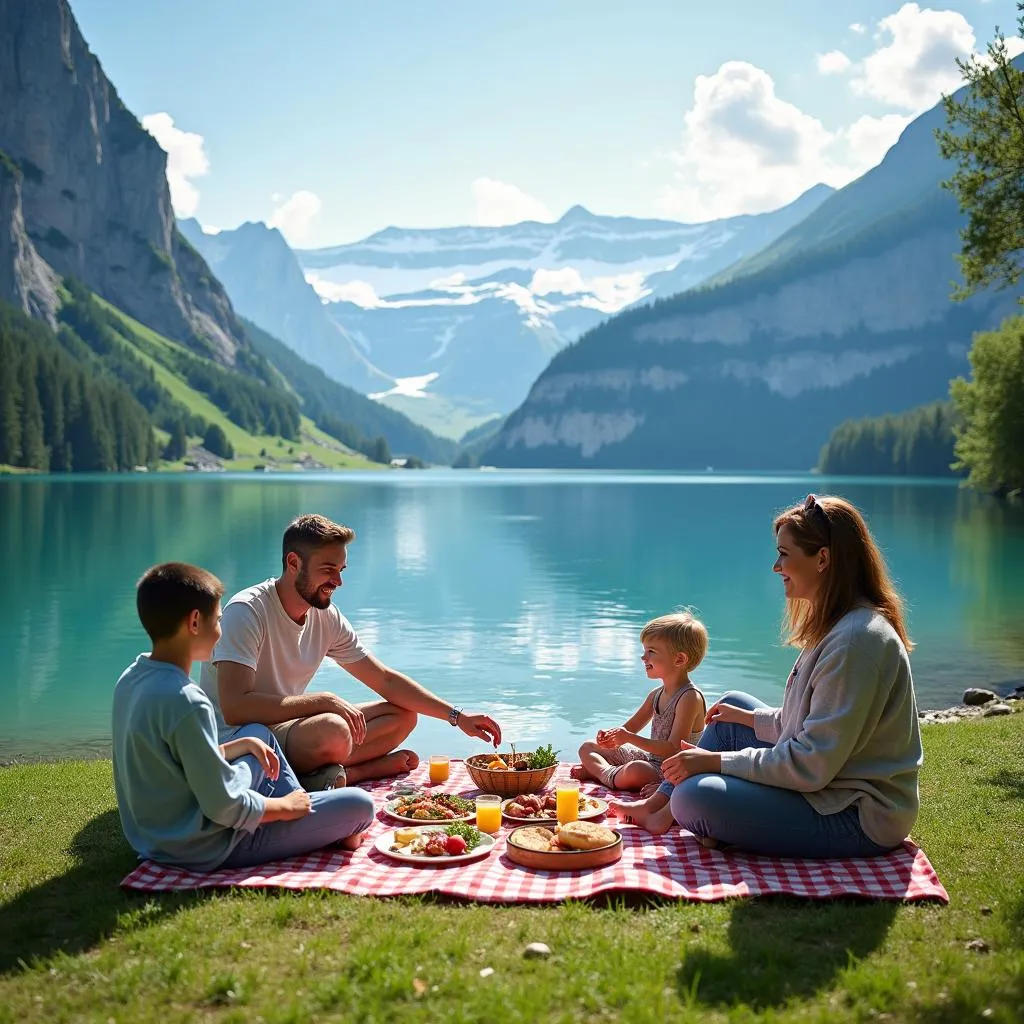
(521, 594)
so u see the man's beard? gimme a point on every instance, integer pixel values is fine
(310, 594)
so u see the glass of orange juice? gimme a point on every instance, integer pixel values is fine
(488, 812)
(567, 801)
(439, 768)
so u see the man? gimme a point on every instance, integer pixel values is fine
(275, 636)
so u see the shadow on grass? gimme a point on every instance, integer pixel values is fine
(1011, 782)
(74, 911)
(782, 949)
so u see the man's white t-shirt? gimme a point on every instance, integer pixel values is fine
(258, 633)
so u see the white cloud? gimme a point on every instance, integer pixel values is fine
(858, 28)
(294, 217)
(186, 159)
(747, 150)
(498, 203)
(917, 62)
(361, 293)
(835, 62)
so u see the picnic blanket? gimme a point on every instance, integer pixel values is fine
(673, 865)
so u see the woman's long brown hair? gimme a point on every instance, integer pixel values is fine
(856, 573)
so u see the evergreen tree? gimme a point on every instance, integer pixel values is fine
(10, 413)
(216, 441)
(379, 451)
(177, 444)
(33, 448)
(51, 398)
(92, 445)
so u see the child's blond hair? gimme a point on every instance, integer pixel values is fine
(684, 631)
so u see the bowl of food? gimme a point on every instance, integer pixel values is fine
(514, 773)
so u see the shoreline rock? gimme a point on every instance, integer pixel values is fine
(977, 703)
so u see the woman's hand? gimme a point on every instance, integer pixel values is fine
(721, 712)
(482, 727)
(689, 761)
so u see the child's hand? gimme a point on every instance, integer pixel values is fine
(265, 754)
(616, 737)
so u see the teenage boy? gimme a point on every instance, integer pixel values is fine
(184, 800)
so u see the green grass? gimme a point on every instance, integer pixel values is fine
(159, 353)
(75, 947)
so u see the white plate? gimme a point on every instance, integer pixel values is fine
(384, 843)
(389, 809)
(596, 808)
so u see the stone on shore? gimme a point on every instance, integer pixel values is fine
(974, 696)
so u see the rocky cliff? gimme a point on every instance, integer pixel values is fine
(25, 280)
(93, 190)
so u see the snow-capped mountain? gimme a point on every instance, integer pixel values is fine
(467, 317)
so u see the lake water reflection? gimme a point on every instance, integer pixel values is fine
(517, 593)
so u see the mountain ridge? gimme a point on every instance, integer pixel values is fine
(753, 371)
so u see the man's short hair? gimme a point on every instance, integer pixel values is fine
(309, 533)
(683, 631)
(167, 594)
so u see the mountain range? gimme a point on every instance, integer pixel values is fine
(453, 325)
(609, 341)
(847, 314)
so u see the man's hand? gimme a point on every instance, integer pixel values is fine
(689, 761)
(729, 713)
(617, 737)
(482, 727)
(351, 714)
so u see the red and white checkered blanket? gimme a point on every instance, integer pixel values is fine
(673, 865)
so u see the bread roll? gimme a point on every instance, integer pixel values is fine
(585, 835)
(533, 837)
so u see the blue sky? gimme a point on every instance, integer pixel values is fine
(334, 118)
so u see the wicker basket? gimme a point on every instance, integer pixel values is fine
(507, 783)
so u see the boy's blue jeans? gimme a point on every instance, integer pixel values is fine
(759, 818)
(336, 814)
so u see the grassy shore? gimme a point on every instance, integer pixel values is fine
(74, 947)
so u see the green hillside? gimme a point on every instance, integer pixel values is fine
(105, 392)
(271, 450)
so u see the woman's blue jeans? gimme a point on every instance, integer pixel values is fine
(759, 818)
(336, 814)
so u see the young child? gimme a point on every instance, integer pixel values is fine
(620, 758)
(183, 799)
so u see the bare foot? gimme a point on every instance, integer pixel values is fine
(577, 771)
(636, 812)
(353, 842)
(395, 763)
(626, 809)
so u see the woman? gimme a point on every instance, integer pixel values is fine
(834, 771)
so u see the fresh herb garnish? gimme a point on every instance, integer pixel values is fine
(544, 757)
(468, 832)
